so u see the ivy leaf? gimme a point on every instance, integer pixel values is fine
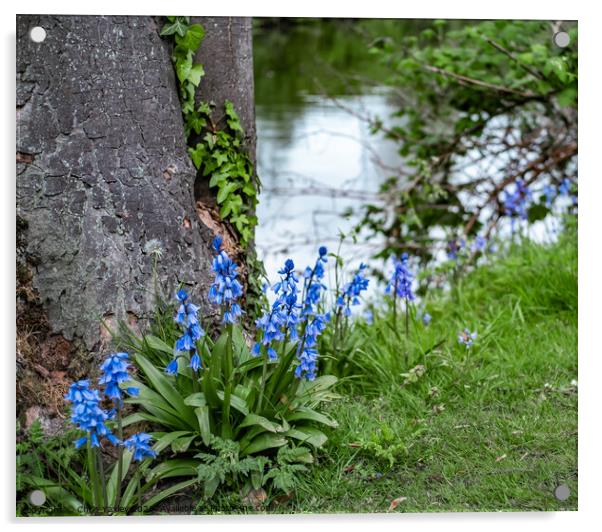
(177, 26)
(220, 157)
(183, 67)
(195, 74)
(226, 190)
(192, 38)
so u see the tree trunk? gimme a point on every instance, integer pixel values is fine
(105, 191)
(226, 54)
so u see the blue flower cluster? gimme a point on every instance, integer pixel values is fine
(516, 202)
(400, 283)
(139, 445)
(307, 354)
(115, 371)
(87, 414)
(313, 284)
(312, 322)
(455, 247)
(352, 290)
(479, 244)
(564, 189)
(283, 317)
(226, 288)
(187, 318)
(467, 338)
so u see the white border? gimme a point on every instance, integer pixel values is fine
(590, 373)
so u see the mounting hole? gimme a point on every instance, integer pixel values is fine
(37, 497)
(562, 39)
(37, 34)
(562, 492)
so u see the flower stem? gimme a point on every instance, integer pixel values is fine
(226, 427)
(120, 461)
(92, 470)
(102, 479)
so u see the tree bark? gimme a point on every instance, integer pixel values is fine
(103, 179)
(226, 54)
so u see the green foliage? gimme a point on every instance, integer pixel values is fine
(63, 473)
(386, 444)
(480, 106)
(219, 157)
(217, 153)
(256, 411)
(488, 429)
(526, 281)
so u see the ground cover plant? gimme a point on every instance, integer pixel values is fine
(473, 408)
(444, 381)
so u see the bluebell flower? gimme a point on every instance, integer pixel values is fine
(307, 364)
(369, 317)
(172, 367)
(139, 445)
(455, 247)
(426, 318)
(226, 289)
(517, 201)
(467, 338)
(283, 317)
(312, 284)
(87, 414)
(479, 244)
(115, 371)
(187, 317)
(195, 361)
(565, 187)
(400, 283)
(550, 193)
(352, 290)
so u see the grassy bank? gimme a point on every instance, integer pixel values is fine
(489, 428)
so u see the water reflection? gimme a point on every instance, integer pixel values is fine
(315, 154)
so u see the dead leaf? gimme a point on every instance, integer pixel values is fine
(395, 503)
(500, 458)
(255, 498)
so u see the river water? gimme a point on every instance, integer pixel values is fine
(317, 160)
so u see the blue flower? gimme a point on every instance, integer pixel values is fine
(187, 317)
(352, 290)
(455, 247)
(139, 445)
(400, 283)
(479, 244)
(550, 193)
(115, 371)
(307, 364)
(226, 288)
(87, 415)
(369, 317)
(172, 367)
(195, 361)
(426, 318)
(283, 317)
(565, 186)
(467, 338)
(517, 202)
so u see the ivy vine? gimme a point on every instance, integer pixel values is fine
(218, 153)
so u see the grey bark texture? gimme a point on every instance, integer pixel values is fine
(226, 54)
(103, 179)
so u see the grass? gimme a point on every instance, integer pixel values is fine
(491, 428)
